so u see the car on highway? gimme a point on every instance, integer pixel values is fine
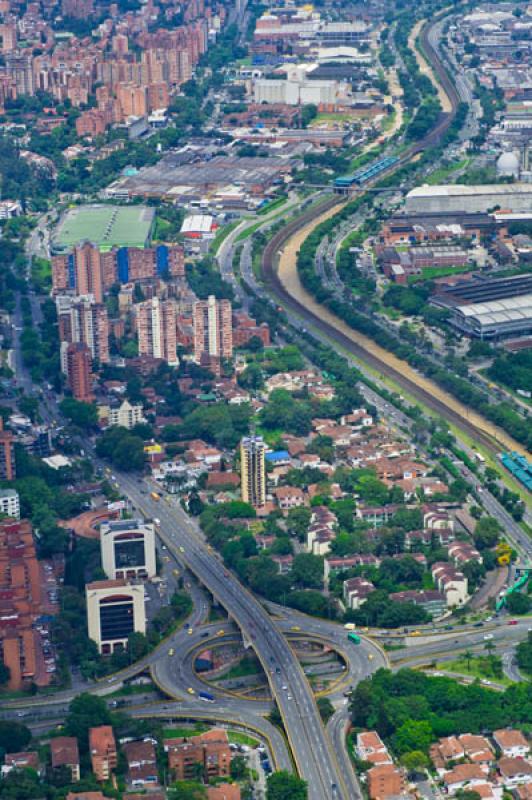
(190, 631)
(295, 628)
(512, 622)
(181, 548)
(171, 652)
(488, 636)
(190, 690)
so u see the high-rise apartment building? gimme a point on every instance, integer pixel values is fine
(8, 34)
(19, 68)
(157, 332)
(82, 320)
(81, 270)
(253, 470)
(78, 361)
(213, 329)
(7, 454)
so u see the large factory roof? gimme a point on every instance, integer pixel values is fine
(499, 311)
(461, 190)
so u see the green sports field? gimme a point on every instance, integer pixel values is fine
(105, 226)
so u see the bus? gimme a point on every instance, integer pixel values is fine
(155, 496)
(354, 637)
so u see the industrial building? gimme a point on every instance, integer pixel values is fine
(225, 180)
(115, 609)
(128, 549)
(489, 308)
(452, 198)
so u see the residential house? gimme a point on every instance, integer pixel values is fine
(377, 516)
(335, 564)
(102, 746)
(370, 747)
(514, 771)
(511, 743)
(445, 750)
(211, 749)
(385, 781)
(478, 750)
(357, 419)
(356, 592)
(289, 497)
(142, 764)
(463, 776)
(284, 563)
(26, 760)
(432, 601)
(452, 583)
(65, 753)
(462, 552)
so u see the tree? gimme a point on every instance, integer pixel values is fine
(486, 533)
(523, 653)
(5, 674)
(187, 790)
(13, 736)
(238, 767)
(285, 786)
(415, 760)
(326, 709)
(86, 711)
(518, 603)
(84, 415)
(413, 735)
(307, 570)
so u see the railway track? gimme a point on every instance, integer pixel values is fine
(271, 277)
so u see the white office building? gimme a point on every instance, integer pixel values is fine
(128, 549)
(10, 503)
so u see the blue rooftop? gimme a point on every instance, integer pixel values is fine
(278, 455)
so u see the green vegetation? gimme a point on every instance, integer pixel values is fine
(69, 629)
(185, 731)
(123, 448)
(478, 667)
(513, 370)
(410, 709)
(523, 653)
(285, 786)
(442, 174)
(248, 665)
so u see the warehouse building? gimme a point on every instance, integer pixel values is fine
(489, 309)
(452, 198)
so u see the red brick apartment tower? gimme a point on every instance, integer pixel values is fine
(78, 360)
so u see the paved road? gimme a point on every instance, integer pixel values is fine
(311, 748)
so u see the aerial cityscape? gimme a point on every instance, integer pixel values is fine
(265, 400)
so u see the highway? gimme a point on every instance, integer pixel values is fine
(310, 746)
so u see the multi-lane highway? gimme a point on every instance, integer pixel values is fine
(311, 748)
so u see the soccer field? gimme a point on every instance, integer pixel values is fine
(106, 226)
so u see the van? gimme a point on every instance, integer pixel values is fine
(349, 626)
